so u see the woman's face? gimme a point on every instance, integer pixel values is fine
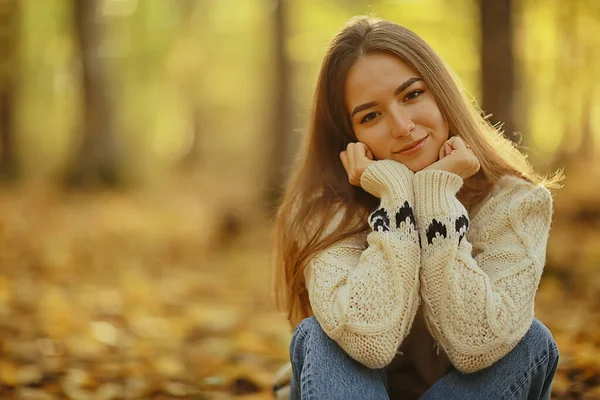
(393, 111)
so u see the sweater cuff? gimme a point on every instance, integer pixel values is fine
(435, 192)
(388, 177)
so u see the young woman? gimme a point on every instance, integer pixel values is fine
(412, 236)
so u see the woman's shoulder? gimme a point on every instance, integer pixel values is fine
(511, 186)
(323, 225)
(512, 181)
(511, 191)
(515, 187)
(342, 252)
(338, 218)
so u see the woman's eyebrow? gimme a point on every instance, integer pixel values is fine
(406, 84)
(362, 107)
(399, 90)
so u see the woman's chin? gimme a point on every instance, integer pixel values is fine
(414, 165)
(418, 164)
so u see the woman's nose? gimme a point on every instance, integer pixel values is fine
(402, 125)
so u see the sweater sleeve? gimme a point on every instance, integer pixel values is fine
(366, 299)
(479, 307)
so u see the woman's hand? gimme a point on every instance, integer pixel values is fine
(457, 157)
(356, 158)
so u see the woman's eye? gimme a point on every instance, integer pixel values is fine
(369, 117)
(414, 94)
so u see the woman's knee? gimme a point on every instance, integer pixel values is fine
(540, 341)
(538, 353)
(308, 328)
(310, 325)
(542, 335)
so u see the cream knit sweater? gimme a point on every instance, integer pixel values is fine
(476, 278)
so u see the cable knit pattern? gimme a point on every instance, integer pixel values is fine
(478, 282)
(366, 298)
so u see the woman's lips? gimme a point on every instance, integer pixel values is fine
(415, 149)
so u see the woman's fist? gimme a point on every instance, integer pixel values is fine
(356, 158)
(457, 157)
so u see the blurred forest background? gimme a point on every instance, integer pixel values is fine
(142, 147)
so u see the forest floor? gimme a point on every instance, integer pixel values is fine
(169, 295)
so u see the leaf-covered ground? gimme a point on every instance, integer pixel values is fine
(127, 296)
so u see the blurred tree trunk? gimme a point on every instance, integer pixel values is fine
(587, 146)
(9, 30)
(96, 161)
(191, 158)
(497, 62)
(572, 50)
(278, 161)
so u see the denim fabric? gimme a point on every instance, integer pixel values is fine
(323, 370)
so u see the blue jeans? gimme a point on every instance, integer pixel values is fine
(323, 370)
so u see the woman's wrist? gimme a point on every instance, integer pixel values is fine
(388, 178)
(435, 192)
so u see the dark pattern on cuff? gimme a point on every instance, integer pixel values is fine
(461, 225)
(380, 220)
(434, 229)
(406, 212)
(438, 229)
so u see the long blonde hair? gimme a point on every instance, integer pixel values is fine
(319, 187)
